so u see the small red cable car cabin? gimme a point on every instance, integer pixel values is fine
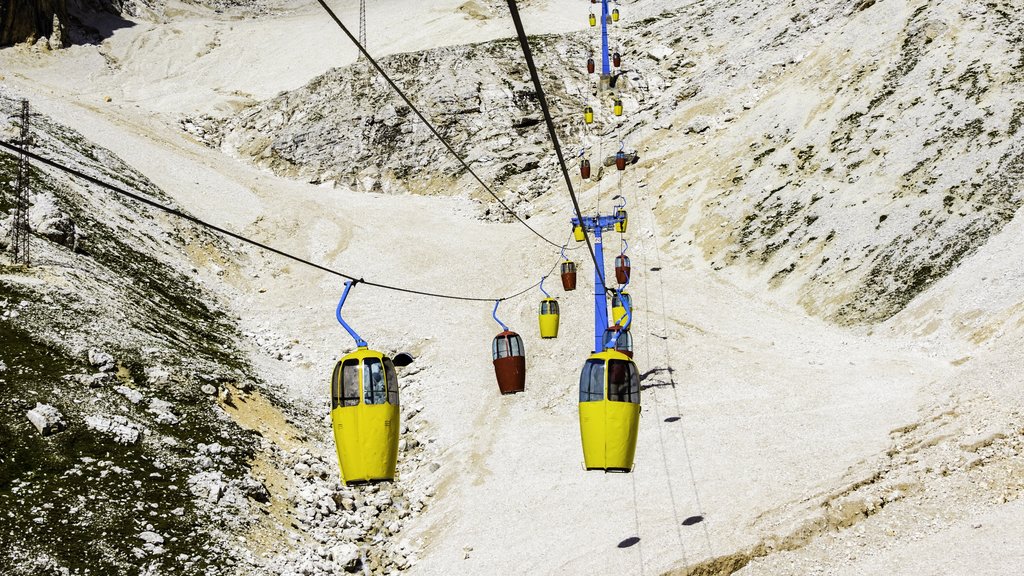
(509, 362)
(623, 341)
(622, 268)
(585, 168)
(568, 275)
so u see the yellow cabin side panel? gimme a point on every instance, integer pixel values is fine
(619, 315)
(622, 425)
(592, 432)
(366, 437)
(609, 431)
(548, 325)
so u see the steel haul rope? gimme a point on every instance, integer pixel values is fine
(433, 130)
(525, 43)
(250, 241)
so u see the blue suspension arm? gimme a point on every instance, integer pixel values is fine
(359, 341)
(495, 315)
(546, 295)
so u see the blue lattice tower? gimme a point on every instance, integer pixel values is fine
(596, 225)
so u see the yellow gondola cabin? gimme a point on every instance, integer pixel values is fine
(365, 416)
(620, 302)
(609, 411)
(548, 318)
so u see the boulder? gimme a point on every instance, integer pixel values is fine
(47, 419)
(101, 360)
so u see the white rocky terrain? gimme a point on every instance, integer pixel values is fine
(827, 282)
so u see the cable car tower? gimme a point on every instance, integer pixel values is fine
(20, 228)
(606, 69)
(362, 26)
(597, 225)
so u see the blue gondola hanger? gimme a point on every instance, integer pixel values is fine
(348, 286)
(621, 216)
(494, 314)
(623, 327)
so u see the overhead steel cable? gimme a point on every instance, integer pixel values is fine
(525, 43)
(433, 130)
(250, 241)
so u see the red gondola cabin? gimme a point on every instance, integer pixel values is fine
(622, 268)
(509, 362)
(620, 339)
(568, 276)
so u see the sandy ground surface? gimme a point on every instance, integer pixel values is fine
(749, 405)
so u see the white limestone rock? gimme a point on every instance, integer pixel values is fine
(47, 419)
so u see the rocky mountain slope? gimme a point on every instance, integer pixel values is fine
(800, 147)
(135, 431)
(823, 225)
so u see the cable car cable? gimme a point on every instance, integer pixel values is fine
(675, 392)
(247, 240)
(657, 413)
(525, 43)
(429, 126)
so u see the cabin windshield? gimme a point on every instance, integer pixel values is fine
(350, 383)
(516, 345)
(499, 347)
(592, 381)
(336, 386)
(568, 267)
(389, 371)
(624, 341)
(623, 382)
(373, 382)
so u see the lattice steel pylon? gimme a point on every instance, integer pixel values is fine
(19, 227)
(362, 26)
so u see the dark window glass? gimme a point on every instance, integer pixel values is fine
(389, 371)
(516, 346)
(500, 347)
(623, 382)
(568, 267)
(592, 381)
(543, 306)
(373, 382)
(624, 341)
(554, 308)
(634, 383)
(350, 383)
(336, 386)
